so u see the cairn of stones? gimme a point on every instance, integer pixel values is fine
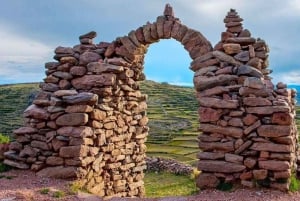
(89, 120)
(249, 131)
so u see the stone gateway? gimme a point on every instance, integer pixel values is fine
(89, 119)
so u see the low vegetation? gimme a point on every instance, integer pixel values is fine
(163, 184)
(295, 184)
(4, 139)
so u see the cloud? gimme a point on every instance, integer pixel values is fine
(21, 58)
(31, 31)
(292, 77)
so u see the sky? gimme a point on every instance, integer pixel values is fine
(30, 30)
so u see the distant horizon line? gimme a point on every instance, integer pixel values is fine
(185, 84)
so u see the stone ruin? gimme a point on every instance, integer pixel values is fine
(89, 120)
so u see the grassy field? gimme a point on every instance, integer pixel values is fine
(167, 184)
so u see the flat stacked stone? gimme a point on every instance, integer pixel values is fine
(248, 127)
(89, 119)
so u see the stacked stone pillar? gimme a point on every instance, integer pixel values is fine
(89, 120)
(249, 131)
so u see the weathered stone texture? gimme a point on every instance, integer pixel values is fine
(89, 120)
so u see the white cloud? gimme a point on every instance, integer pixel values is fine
(291, 77)
(21, 58)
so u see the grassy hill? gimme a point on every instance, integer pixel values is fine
(13, 100)
(172, 111)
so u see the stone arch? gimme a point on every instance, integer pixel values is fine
(89, 121)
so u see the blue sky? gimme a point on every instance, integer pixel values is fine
(30, 30)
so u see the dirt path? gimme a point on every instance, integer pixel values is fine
(20, 185)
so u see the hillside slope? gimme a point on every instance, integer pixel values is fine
(172, 111)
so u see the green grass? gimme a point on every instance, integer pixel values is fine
(166, 184)
(44, 191)
(59, 194)
(295, 184)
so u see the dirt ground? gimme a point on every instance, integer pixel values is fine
(19, 185)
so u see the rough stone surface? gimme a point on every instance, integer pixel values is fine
(58, 172)
(90, 119)
(219, 166)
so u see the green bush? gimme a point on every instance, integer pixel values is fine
(4, 139)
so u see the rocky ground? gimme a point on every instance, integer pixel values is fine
(17, 185)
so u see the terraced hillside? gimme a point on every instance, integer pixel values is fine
(172, 111)
(13, 100)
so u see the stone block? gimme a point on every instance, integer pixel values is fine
(72, 119)
(220, 166)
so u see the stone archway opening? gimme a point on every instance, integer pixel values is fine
(173, 125)
(89, 119)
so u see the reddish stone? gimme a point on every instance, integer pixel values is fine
(274, 130)
(267, 109)
(82, 131)
(98, 114)
(260, 174)
(58, 172)
(241, 40)
(78, 109)
(236, 122)
(250, 162)
(226, 70)
(246, 175)
(25, 130)
(219, 166)
(282, 118)
(40, 145)
(274, 165)
(206, 180)
(73, 151)
(229, 131)
(36, 112)
(99, 68)
(232, 48)
(54, 161)
(256, 101)
(252, 127)
(73, 119)
(272, 147)
(209, 114)
(203, 82)
(225, 147)
(254, 82)
(210, 155)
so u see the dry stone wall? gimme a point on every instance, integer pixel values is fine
(249, 131)
(89, 120)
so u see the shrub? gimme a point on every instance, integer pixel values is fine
(4, 139)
